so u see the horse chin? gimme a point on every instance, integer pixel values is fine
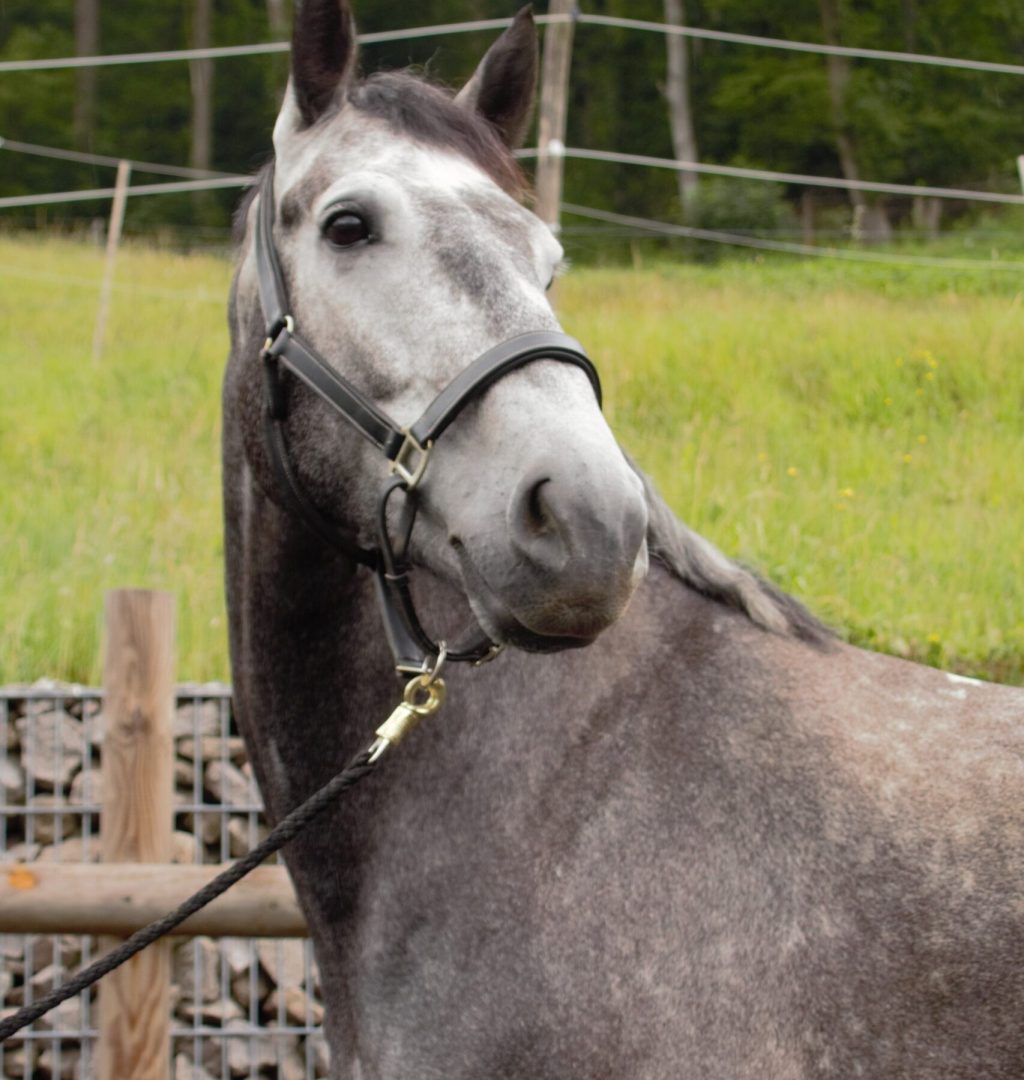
(504, 627)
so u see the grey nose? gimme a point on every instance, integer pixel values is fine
(564, 519)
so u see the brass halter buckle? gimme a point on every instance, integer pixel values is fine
(410, 462)
(424, 695)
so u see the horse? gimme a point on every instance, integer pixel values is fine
(676, 828)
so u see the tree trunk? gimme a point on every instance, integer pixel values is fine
(910, 25)
(838, 68)
(807, 215)
(870, 220)
(201, 78)
(926, 215)
(277, 18)
(677, 93)
(87, 43)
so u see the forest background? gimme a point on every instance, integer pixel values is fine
(757, 107)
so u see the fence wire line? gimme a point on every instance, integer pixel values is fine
(226, 181)
(28, 274)
(18, 147)
(218, 52)
(782, 177)
(666, 228)
(805, 46)
(225, 51)
(87, 195)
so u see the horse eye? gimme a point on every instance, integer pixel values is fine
(345, 229)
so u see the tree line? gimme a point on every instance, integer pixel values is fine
(631, 91)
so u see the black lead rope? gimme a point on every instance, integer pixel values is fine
(361, 765)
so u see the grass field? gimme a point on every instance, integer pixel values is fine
(855, 433)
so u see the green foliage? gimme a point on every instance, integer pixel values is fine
(760, 107)
(727, 204)
(852, 431)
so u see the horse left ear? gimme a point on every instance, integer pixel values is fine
(323, 55)
(502, 88)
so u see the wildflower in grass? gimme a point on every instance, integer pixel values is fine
(934, 638)
(922, 439)
(899, 361)
(929, 375)
(792, 470)
(888, 401)
(908, 458)
(847, 493)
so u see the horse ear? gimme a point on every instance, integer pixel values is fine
(502, 88)
(323, 55)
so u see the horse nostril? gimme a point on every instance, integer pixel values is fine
(535, 514)
(535, 524)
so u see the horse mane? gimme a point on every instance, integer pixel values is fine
(697, 563)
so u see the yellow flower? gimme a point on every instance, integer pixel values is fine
(899, 361)
(888, 401)
(929, 375)
(762, 457)
(922, 439)
(792, 470)
(908, 458)
(934, 638)
(847, 493)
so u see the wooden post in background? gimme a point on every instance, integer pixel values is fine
(136, 822)
(554, 104)
(124, 170)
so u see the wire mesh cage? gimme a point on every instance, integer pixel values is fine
(242, 1007)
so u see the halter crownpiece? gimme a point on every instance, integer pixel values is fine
(407, 449)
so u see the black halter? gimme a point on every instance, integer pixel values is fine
(406, 449)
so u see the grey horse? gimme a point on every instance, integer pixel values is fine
(712, 843)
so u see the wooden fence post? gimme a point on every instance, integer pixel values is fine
(124, 170)
(136, 821)
(554, 103)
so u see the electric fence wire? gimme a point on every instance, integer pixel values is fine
(581, 18)
(665, 228)
(782, 177)
(35, 150)
(226, 181)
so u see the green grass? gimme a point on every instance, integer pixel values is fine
(853, 432)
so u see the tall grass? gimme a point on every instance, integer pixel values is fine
(854, 433)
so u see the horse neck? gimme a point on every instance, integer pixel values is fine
(311, 670)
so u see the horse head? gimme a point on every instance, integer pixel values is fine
(406, 253)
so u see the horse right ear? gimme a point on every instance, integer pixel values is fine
(323, 55)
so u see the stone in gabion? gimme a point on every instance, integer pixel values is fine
(196, 970)
(12, 782)
(199, 718)
(52, 744)
(228, 784)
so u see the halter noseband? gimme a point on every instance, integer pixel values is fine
(406, 449)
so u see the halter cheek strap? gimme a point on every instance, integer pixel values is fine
(406, 449)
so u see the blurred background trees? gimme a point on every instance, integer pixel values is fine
(748, 106)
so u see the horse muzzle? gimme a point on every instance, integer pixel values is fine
(568, 559)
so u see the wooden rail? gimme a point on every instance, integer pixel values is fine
(118, 899)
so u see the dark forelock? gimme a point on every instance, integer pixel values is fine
(428, 113)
